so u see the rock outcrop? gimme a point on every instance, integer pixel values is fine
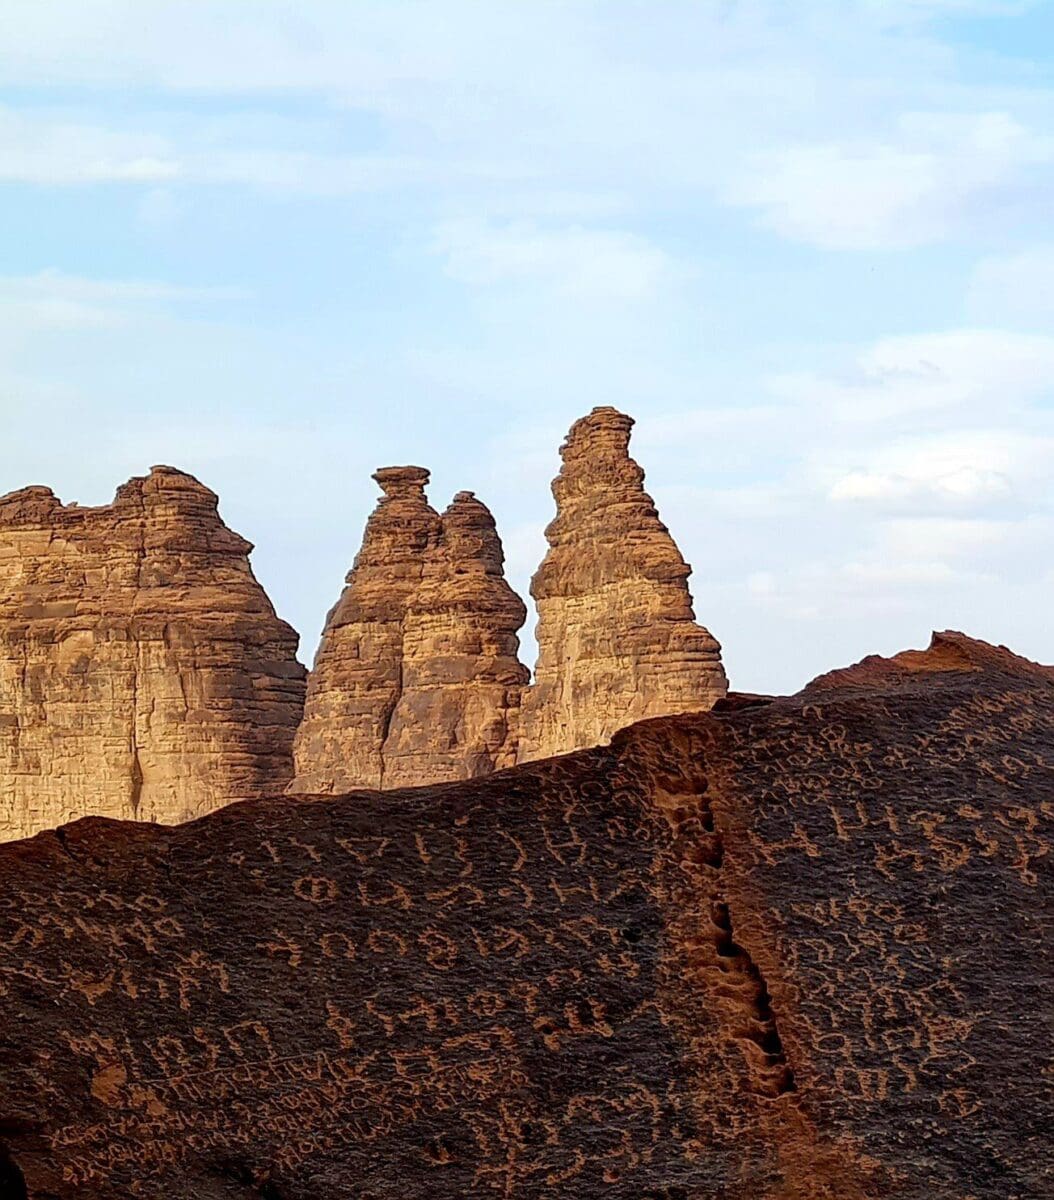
(416, 679)
(784, 950)
(143, 672)
(617, 638)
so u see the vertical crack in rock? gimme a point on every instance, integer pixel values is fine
(386, 720)
(710, 944)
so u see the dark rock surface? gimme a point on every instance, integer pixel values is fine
(788, 949)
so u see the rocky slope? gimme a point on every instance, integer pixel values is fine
(416, 679)
(143, 672)
(784, 950)
(617, 638)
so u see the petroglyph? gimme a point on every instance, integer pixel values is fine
(787, 951)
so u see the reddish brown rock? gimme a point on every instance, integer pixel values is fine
(143, 672)
(617, 637)
(416, 679)
(796, 950)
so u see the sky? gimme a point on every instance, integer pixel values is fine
(809, 246)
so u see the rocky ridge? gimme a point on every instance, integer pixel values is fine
(795, 949)
(143, 672)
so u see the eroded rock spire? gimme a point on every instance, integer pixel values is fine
(417, 678)
(617, 637)
(357, 677)
(143, 672)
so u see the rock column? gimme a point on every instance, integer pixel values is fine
(617, 637)
(357, 679)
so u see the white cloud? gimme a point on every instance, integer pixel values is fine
(53, 301)
(922, 183)
(49, 150)
(961, 470)
(578, 262)
(960, 371)
(843, 124)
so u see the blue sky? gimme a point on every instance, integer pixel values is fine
(809, 246)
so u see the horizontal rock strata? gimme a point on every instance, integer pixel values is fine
(781, 951)
(617, 637)
(143, 672)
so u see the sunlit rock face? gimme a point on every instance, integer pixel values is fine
(143, 672)
(617, 636)
(417, 678)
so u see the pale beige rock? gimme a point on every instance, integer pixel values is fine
(617, 637)
(417, 679)
(143, 672)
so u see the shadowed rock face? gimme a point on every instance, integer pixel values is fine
(143, 672)
(417, 678)
(782, 951)
(617, 638)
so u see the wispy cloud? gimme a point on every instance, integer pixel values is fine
(575, 261)
(926, 181)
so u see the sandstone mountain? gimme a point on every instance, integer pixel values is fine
(785, 950)
(617, 638)
(416, 679)
(143, 672)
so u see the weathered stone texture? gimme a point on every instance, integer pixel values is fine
(795, 950)
(617, 638)
(143, 672)
(462, 679)
(416, 679)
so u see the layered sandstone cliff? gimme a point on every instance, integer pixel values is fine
(795, 950)
(416, 679)
(617, 637)
(143, 672)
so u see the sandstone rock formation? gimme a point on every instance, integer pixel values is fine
(617, 638)
(416, 679)
(780, 951)
(143, 672)
(462, 679)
